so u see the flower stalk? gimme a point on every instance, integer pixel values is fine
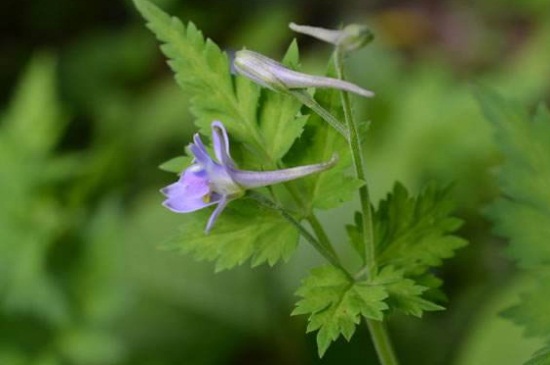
(377, 329)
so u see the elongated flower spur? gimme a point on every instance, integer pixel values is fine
(275, 76)
(211, 181)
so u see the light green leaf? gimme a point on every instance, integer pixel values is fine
(35, 120)
(203, 71)
(244, 231)
(320, 142)
(404, 294)
(413, 234)
(355, 236)
(532, 310)
(523, 214)
(335, 304)
(176, 164)
(31, 217)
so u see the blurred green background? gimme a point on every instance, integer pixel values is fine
(89, 109)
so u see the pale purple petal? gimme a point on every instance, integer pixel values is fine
(190, 193)
(222, 203)
(220, 141)
(199, 151)
(254, 179)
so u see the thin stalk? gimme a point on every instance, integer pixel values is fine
(308, 101)
(382, 342)
(359, 166)
(320, 232)
(328, 254)
(377, 329)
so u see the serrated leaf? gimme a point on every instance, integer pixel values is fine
(404, 295)
(532, 311)
(523, 214)
(244, 231)
(413, 234)
(203, 71)
(335, 304)
(280, 119)
(321, 142)
(541, 357)
(176, 164)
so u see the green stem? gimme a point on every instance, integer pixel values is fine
(358, 163)
(382, 342)
(377, 329)
(308, 101)
(320, 232)
(328, 254)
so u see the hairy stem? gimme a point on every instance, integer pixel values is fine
(359, 166)
(377, 329)
(308, 101)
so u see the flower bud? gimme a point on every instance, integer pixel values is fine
(352, 37)
(275, 76)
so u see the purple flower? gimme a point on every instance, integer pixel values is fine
(217, 181)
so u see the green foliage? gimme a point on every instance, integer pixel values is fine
(29, 131)
(414, 234)
(176, 164)
(522, 214)
(203, 71)
(320, 142)
(404, 295)
(532, 312)
(280, 119)
(541, 357)
(244, 231)
(336, 304)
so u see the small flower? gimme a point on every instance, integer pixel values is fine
(211, 181)
(275, 76)
(352, 37)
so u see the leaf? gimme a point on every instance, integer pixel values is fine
(31, 216)
(541, 357)
(176, 164)
(244, 231)
(523, 213)
(35, 120)
(335, 304)
(320, 142)
(405, 295)
(414, 234)
(203, 71)
(280, 119)
(532, 311)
